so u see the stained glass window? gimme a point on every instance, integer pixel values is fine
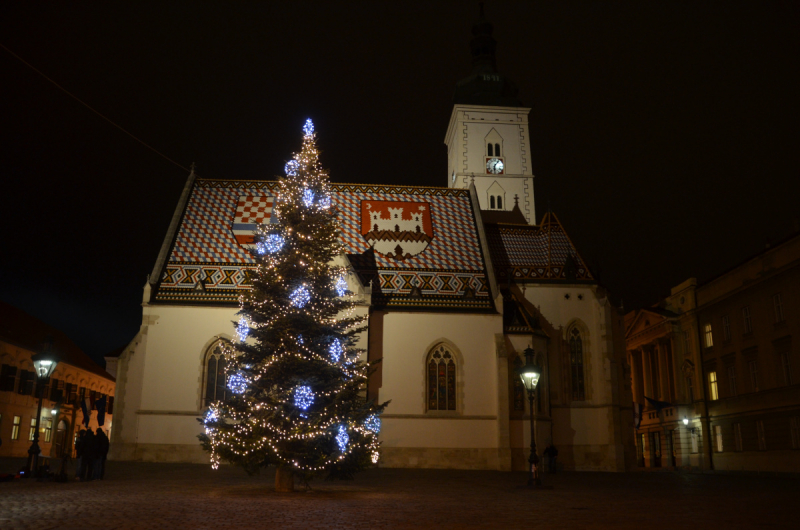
(441, 379)
(215, 374)
(576, 362)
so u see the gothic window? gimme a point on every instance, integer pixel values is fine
(496, 149)
(491, 151)
(499, 202)
(576, 363)
(441, 379)
(215, 387)
(491, 202)
(519, 388)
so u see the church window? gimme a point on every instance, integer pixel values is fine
(441, 379)
(576, 362)
(491, 150)
(215, 374)
(499, 202)
(496, 149)
(491, 202)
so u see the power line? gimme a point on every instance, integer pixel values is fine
(76, 98)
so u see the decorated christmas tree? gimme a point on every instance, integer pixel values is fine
(296, 385)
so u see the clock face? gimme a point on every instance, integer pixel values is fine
(494, 166)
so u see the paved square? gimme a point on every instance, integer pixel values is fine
(146, 495)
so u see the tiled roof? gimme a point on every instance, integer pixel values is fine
(427, 251)
(21, 329)
(539, 253)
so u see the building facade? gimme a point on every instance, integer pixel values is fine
(75, 378)
(722, 355)
(456, 282)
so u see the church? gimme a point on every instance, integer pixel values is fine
(457, 281)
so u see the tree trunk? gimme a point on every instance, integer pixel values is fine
(284, 479)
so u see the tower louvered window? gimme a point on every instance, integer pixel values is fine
(215, 387)
(441, 379)
(576, 362)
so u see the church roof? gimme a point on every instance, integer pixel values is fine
(536, 253)
(419, 246)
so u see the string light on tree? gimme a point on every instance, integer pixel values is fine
(300, 297)
(237, 383)
(303, 397)
(308, 198)
(322, 424)
(336, 350)
(342, 438)
(308, 127)
(242, 329)
(291, 168)
(341, 286)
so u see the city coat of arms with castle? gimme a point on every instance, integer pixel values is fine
(397, 230)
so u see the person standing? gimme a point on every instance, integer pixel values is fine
(103, 445)
(89, 455)
(550, 455)
(79, 453)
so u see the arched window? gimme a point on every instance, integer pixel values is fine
(576, 363)
(499, 202)
(215, 387)
(491, 202)
(496, 149)
(490, 150)
(441, 379)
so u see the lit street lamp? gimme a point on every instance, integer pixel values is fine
(530, 378)
(44, 363)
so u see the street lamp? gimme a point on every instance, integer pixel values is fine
(530, 378)
(685, 421)
(44, 363)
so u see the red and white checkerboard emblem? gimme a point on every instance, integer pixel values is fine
(251, 211)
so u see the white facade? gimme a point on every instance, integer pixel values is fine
(472, 128)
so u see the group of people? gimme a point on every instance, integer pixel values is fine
(91, 450)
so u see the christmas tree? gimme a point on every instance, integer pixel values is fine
(297, 387)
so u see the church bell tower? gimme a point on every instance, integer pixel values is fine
(487, 140)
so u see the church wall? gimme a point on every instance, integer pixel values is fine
(412, 436)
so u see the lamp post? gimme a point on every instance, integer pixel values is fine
(44, 363)
(530, 378)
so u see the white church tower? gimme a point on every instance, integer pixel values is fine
(488, 141)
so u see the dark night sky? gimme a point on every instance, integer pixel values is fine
(664, 133)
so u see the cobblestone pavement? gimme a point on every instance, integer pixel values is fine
(146, 495)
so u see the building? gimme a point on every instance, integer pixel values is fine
(456, 281)
(722, 354)
(76, 377)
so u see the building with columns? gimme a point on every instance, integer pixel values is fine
(456, 280)
(723, 355)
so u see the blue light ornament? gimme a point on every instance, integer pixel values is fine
(308, 127)
(291, 168)
(308, 197)
(303, 397)
(300, 296)
(373, 423)
(237, 383)
(242, 329)
(336, 350)
(342, 438)
(341, 286)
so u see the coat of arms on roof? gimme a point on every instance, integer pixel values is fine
(397, 229)
(251, 211)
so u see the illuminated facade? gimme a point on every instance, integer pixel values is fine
(456, 281)
(722, 354)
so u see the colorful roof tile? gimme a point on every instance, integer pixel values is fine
(423, 245)
(538, 253)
